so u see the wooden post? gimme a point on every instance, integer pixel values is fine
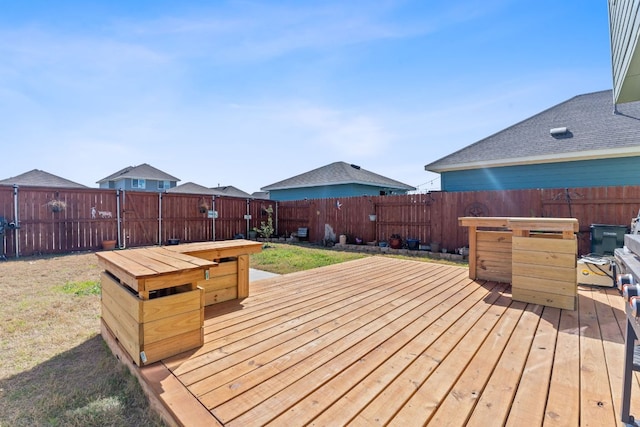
(243, 276)
(473, 243)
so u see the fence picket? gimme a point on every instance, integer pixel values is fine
(90, 215)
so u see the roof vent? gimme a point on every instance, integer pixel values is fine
(355, 166)
(559, 131)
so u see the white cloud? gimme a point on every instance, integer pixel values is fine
(253, 31)
(344, 133)
(248, 93)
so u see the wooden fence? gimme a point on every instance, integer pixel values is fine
(433, 217)
(91, 216)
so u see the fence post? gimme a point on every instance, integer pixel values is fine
(119, 233)
(213, 218)
(16, 230)
(159, 219)
(248, 217)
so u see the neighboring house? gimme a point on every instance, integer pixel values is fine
(231, 191)
(582, 142)
(260, 195)
(38, 178)
(337, 179)
(192, 188)
(140, 178)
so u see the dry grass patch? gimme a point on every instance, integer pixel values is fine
(56, 369)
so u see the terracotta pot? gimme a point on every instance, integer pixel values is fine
(395, 243)
(108, 245)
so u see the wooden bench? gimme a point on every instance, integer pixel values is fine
(303, 233)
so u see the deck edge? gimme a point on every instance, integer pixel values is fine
(167, 395)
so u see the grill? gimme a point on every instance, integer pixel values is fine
(627, 262)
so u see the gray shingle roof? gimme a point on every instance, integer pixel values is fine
(39, 178)
(260, 194)
(337, 173)
(593, 131)
(143, 171)
(193, 188)
(230, 190)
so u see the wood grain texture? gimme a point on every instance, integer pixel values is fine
(383, 340)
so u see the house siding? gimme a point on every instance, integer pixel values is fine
(125, 184)
(585, 173)
(329, 191)
(625, 33)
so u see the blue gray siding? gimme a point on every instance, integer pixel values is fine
(125, 184)
(584, 173)
(329, 191)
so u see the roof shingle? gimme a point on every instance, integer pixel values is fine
(39, 178)
(593, 130)
(337, 173)
(143, 171)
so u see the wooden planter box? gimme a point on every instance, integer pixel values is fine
(152, 329)
(151, 303)
(489, 248)
(536, 255)
(544, 271)
(223, 282)
(153, 298)
(229, 279)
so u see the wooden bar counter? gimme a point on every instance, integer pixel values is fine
(153, 298)
(536, 255)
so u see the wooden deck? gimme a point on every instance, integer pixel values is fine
(385, 341)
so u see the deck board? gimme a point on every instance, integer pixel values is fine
(383, 341)
(596, 402)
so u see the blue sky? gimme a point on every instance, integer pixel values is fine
(248, 93)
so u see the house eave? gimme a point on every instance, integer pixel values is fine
(555, 158)
(369, 184)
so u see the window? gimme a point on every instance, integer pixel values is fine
(163, 185)
(137, 183)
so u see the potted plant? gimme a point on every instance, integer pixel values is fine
(203, 207)
(266, 229)
(108, 245)
(413, 244)
(395, 241)
(57, 205)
